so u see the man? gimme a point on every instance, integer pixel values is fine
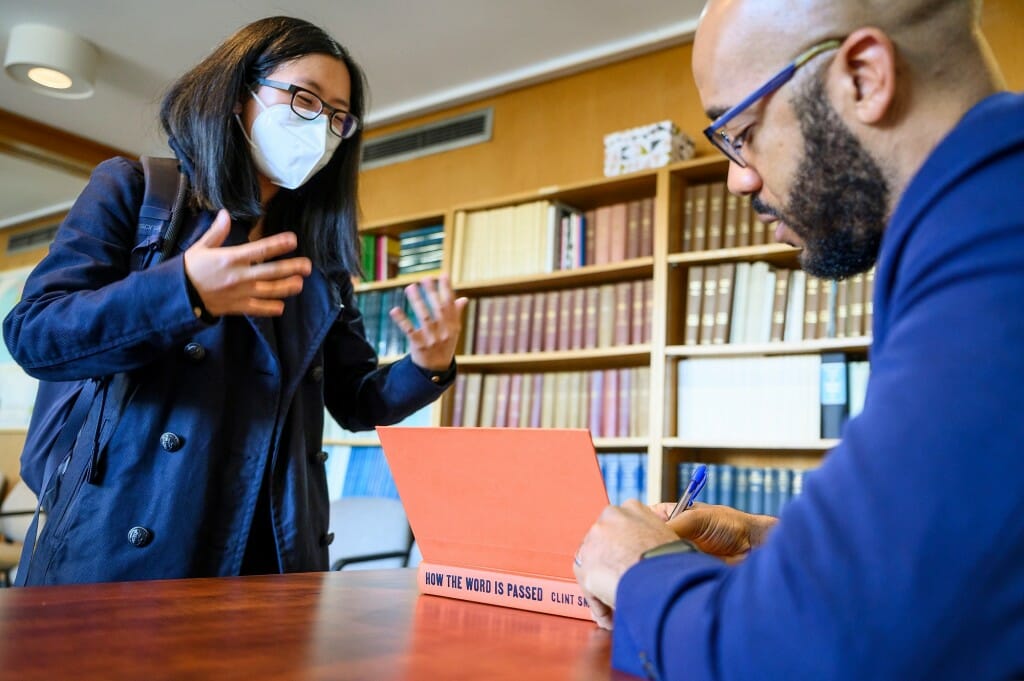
(884, 138)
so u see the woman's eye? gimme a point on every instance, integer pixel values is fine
(306, 102)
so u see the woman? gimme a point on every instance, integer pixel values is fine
(231, 348)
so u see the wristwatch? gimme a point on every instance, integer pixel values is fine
(677, 546)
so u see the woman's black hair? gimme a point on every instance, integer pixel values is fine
(198, 116)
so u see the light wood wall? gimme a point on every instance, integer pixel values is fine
(552, 133)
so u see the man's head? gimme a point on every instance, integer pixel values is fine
(828, 148)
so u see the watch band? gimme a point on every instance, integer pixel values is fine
(677, 546)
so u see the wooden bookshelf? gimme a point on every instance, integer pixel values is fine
(666, 266)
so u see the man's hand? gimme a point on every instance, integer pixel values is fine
(432, 345)
(720, 531)
(613, 545)
(237, 280)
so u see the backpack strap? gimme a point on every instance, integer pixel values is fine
(163, 202)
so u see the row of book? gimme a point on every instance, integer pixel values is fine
(768, 400)
(570, 319)
(747, 488)
(385, 256)
(381, 331)
(610, 402)
(714, 218)
(757, 303)
(358, 471)
(547, 236)
(625, 475)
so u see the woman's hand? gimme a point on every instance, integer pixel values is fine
(238, 280)
(432, 344)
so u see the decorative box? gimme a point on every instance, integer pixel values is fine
(648, 146)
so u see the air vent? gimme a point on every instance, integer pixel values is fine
(451, 133)
(32, 239)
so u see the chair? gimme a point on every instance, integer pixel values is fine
(16, 511)
(371, 532)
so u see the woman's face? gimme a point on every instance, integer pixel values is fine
(324, 76)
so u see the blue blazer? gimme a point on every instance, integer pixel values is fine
(904, 557)
(216, 409)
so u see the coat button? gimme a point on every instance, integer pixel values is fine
(316, 374)
(195, 352)
(327, 539)
(171, 442)
(139, 536)
(320, 457)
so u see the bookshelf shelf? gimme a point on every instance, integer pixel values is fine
(352, 442)
(401, 280)
(856, 344)
(635, 268)
(806, 446)
(621, 443)
(396, 226)
(596, 358)
(775, 253)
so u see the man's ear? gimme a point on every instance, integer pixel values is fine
(867, 62)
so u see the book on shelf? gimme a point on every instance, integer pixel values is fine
(707, 308)
(730, 485)
(521, 557)
(835, 398)
(740, 400)
(716, 206)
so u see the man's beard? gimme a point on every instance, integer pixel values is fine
(840, 198)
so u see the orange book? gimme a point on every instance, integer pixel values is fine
(520, 557)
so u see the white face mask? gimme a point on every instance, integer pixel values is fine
(287, 149)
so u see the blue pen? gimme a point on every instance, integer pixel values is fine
(693, 488)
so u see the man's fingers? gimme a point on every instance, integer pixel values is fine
(403, 321)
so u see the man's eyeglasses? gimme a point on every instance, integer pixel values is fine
(730, 146)
(307, 105)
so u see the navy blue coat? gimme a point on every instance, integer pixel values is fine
(212, 405)
(904, 556)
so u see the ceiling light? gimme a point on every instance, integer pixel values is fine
(51, 60)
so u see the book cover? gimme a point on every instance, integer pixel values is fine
(778, 325)
(511, 332)
(537, 322)
(633, 209)
(707, 315)
(730, 227)
(579, 309)
(723, 304)
(646, 227)
(811, 308)
(716, 206)
(636, 313)
(592, 297)
(589, 236)
(521, 557)
(499, 304)
(700, 217)
(686, 228)
(835, 401)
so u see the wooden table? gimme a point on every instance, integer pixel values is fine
(332, 625)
